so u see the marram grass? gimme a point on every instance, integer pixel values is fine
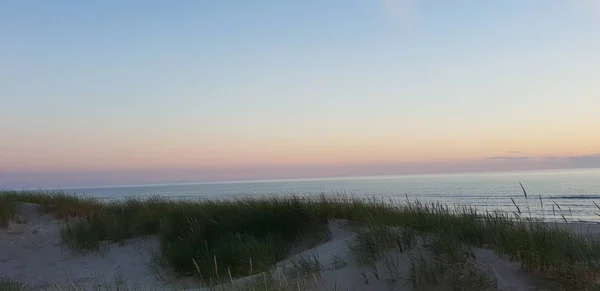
(218, 240)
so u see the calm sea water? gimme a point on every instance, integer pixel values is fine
(575, 191)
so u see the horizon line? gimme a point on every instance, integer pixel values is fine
(282, 180)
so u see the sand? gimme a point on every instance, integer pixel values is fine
(393, 271)
(31, 252)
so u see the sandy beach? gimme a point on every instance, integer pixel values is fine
(31, 252)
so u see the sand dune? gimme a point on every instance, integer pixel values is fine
(31, 252)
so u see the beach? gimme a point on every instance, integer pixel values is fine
(33, 252)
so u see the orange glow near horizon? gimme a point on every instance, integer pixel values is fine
(169, 153)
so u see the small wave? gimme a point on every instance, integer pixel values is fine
(575, 197)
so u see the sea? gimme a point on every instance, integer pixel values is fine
(559, 195)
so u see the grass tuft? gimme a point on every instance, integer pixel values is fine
(7, 284)
(8, 208)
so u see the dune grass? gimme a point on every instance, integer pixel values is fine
(61, 204)
(217, 241)
(7, 284)
(8, 207)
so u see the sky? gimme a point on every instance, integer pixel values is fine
(129, 92)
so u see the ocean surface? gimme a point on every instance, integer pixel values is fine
(565, 193)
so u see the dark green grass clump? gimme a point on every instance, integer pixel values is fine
(7, 284)
(61, 204)
(8, 207)
(220, 240)
(115, 222)
(212, 240)
(232, 238)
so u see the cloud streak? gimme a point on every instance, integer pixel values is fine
(508, 158)
(592, 160)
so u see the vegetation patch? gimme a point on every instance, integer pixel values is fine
(217, 241)
(7, 284)
(61, 204)
(8, 207)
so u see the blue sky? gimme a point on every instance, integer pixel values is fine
(158, 86)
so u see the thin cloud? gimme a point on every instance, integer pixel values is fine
(586, 160)
(514, 152)
(508, 158)
(594, 156)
